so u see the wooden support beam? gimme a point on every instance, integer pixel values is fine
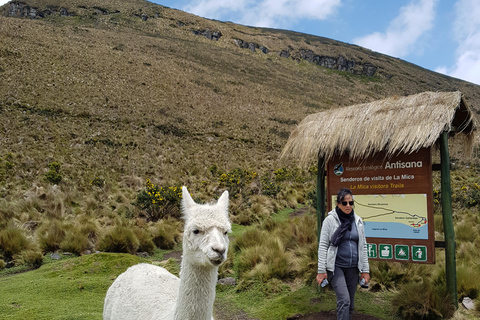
(449, 231)
(320, 194)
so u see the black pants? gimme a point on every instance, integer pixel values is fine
(344, 283)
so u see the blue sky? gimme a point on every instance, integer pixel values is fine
(443, 36)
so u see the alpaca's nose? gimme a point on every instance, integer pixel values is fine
(220, 251)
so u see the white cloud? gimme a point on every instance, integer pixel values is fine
(404, 32)
(467, 35)
(265, 13)
(2, 2)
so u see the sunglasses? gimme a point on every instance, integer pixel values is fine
(351, 203)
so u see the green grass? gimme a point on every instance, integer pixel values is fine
(67, 289)
(307, 299)
(75, 288)
(283, 214)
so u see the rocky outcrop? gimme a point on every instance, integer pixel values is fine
(250, 45)
(22, 10)
(210, 35)
(339, 63)
(285, 53)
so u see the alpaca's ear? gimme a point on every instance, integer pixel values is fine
(187, 201)
(223, 201)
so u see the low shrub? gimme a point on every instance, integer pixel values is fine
(159, 202)
(269, 186)
(53, 174)
(237, 180)
(2, 264)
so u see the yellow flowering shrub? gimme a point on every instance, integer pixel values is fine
(237, 180)
(158, 202)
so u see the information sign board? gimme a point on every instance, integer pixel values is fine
(394, 197)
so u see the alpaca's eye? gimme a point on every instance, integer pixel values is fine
(225, 233)
(196, 231)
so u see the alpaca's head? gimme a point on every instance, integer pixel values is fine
(205, 239)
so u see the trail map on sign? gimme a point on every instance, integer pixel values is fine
(401, 216)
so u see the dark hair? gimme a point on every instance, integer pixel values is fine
(343, 193)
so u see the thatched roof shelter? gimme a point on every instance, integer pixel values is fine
(396, 124)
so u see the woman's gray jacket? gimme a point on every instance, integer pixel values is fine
(328, 252)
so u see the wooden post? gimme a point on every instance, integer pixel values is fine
(450, 259)
(320, 194)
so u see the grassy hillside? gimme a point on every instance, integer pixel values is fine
(107, 94)
(104, 102)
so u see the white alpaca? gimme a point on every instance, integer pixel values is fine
(146, 291)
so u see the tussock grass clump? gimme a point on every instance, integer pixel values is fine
(468, 279)
(266, 262)
(74, 242)
(6, 213)
(12, 242)
(255, 209)
(276, 249)
(387, 275)
(250, 237)
(81, 235)
(468, 251)
(299, 231)
(50, 235)
(32, 258)
(468, 227)
(145, 240)
(166, 233)
(423, 300)
(121, 239)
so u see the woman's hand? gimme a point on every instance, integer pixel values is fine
(365, 276)
(321, 277)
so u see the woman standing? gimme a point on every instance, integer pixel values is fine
(342, 253)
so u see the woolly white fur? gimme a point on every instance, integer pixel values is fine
(146, 291)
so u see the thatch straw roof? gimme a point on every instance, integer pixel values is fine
(395, 124)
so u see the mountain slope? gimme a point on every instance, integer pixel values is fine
(136, 89)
